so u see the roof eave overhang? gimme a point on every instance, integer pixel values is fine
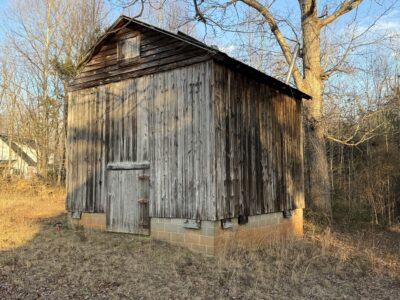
(260, 76)
(124, 21)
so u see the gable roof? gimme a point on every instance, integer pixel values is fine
(217, 55)
(19, 151)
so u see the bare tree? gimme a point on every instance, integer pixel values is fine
(362, 115)
(315, 70)
(79, 26)
(47, 39)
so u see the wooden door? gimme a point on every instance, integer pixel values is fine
(128, 165)
(128, 198)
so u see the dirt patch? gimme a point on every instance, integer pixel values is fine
(71, 263)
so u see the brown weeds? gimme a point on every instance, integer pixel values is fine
(74, 263)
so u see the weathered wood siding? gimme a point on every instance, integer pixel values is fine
(258, 147)
(165, 118)
(86, 150)
(106, 124)
(182, 185)
(158, 52)
(219, 144)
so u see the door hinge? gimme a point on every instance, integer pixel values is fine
(144, 177)
(143, 201)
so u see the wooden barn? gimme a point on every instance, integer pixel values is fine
(172, 138)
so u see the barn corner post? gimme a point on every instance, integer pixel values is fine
(176, 140)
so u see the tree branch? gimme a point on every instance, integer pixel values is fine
(199, 15)
(345, 7)
(263, 10)
(349, 141)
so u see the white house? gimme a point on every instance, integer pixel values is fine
(20, 155)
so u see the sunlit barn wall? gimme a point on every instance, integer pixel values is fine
(164, 118)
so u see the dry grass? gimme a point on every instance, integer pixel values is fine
(78, 264)
(22, 205)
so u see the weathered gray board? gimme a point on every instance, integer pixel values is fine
(128, 201)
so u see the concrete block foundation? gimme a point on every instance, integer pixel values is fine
(211, 239)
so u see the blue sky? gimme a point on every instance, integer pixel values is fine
(3, 4)
(367, 12)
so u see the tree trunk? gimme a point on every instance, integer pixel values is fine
(45, 100)
(62, 171)
(318, 193)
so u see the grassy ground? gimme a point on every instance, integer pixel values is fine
(39, 261)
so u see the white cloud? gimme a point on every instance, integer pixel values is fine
(389, 25)
(228, 49)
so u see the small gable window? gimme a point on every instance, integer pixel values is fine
(129, 48)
